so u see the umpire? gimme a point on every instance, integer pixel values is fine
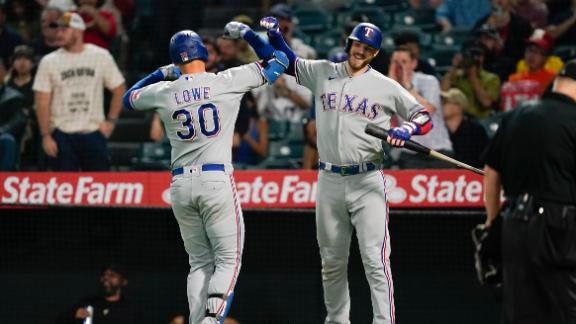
(533, 159)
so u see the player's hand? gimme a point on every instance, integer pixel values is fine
(398, 136)
(49, 145)
(235, 30)
(270, 24)
(170, 72)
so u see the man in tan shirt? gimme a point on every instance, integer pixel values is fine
(69, 100)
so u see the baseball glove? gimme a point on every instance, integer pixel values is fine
(488, 253)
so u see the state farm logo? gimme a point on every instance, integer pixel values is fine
(292, 189)
(394, 194)
(85, 190)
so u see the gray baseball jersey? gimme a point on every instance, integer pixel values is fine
(199, 112)
(344, 105)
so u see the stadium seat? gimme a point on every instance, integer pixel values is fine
(387, 5)
(440, 59)
(451, 40)
(277, 129)
(375, 15)
(566, 53)
(282, 155)
(418, 18)
(152, 156)
(325, 41)
(311, 20)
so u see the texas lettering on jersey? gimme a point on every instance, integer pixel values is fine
(350, 104)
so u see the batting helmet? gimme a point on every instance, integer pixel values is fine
(366, 33)
(186, 46)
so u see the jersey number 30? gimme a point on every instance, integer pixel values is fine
(187, 121)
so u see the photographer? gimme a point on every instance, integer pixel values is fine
(467, 74)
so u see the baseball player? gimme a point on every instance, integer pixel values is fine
(351, 186)
(198, 111)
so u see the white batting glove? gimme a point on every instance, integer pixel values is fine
(170, 72)
(235, 30)
(270, 24)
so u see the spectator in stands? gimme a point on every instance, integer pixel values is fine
(213, 64)
(467, 74)
(563, 25)
(21, 79)
(462, 14)
(310, 158)
(494, 59)
(469, 139)
(534, 11)
(13, 119)
(539, 47)
(513, 29)
(69, 100)
(253, 146)
(245, 52)
(425, 4)
(178, 319)
(48, 41)
(283, 13)
(109, 305)
(228, 49)
(412, 40)
(101, 26)
(23, 18)
(9, 38)
(426, 89)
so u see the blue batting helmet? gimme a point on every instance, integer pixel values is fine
(366, 33)
(186, 46)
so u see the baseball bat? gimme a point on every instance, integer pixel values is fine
(381, 133)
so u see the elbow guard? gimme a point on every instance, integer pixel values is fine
(275, 67)
(420, 122)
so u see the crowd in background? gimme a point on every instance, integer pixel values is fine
(59, 113)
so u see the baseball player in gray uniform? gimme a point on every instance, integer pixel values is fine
(351, 185)
(198, 111)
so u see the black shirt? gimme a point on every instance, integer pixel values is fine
(534, 150)
(469, 141)
(8, 40)
(105, 312)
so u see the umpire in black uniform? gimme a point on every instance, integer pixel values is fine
(533, 159)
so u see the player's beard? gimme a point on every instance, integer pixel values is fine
(358, 61)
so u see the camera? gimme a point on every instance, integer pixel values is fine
(471, 56)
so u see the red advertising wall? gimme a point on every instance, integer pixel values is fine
(256, 189)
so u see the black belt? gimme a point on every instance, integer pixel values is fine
(205, 167)
(350, 169)
(524, 206)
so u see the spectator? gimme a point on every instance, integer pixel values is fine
(13, 119)
(467, 74)
(110, 306)
(563, 25)
(494, 59)
(9, 38)
(48, 41)
(425, 4)
(228, 49)
(512, 29)
(536, 54)
(283, 13)
(412, 40)
(469, 139)
(253, 147)
(310, 158)
(62, 5)
(101, 26)
(213, 65)
(426, 89)
(23, 17)
(461, 13)
(178, 319)
(534, 11)
(69, 100)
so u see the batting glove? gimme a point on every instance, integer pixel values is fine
(235, 30)
(170, 72)
(398, 136)
(270, 24)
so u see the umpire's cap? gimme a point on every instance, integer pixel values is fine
(366, 33)
(187, 46)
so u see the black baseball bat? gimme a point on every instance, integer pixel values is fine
(381, 133)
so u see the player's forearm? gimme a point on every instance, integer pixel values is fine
(260, 46)
(492, 188)
(43, 112)
(116, 102)
(279, 43)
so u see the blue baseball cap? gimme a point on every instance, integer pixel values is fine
(281, 10)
